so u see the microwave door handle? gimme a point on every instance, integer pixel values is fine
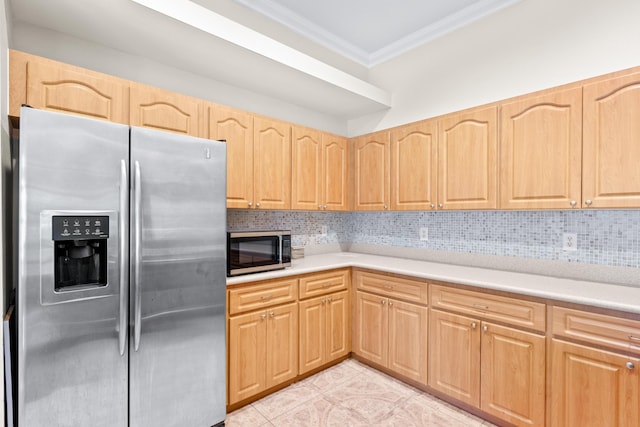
(137, 224)
(281, 239)
(123, 240)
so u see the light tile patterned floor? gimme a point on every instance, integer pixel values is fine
(351, 395)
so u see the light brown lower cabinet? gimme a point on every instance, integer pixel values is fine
(498, 369)
(392, 334)
(593, 387)
(263, 350)
(324, 330)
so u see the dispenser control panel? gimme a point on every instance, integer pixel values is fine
(80, 227)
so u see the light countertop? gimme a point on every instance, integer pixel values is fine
(610, 296)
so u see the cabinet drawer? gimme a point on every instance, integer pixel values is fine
(323, 283)
(493, 307)
(254, 297)
(615, 332)
(406, 289)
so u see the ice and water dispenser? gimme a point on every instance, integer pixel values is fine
(80, 251)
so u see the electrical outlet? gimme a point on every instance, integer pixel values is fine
(424, 233)
(569, 241)
(324, 230)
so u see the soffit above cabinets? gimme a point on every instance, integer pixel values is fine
(224, 41)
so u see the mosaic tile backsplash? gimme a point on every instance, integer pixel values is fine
(604, 237)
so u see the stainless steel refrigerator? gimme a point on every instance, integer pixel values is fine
(121, 275)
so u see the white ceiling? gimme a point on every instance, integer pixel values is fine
(374, 31)
(260, 49)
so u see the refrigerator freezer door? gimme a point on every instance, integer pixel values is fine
(70, 367)
(177, 332)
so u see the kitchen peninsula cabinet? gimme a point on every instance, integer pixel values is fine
(496, 368)
(271, 164)
(163, 110)
(388, 331)
(319, 176)
(324, 318)
(50, 85)
(541, 151)
(467, 159)
(371, 172)
(414, 166)
(236, 128)
(263, 342)
(611, 152)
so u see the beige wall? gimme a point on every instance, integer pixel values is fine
(531, 45)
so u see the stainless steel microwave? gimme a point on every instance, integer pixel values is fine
(256, 251)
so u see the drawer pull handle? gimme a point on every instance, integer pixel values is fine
(632, 338)
(388, 287)
(630, 365)
(484, 307)
(265, 297)
(324, 285)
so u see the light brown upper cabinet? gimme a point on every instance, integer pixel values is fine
(371, 172)
(235, 127)
(319, 170)
(467, 159)
(272, 163)
(611, 143)
(55, 86)
(541, 150)
(414, 166)
(151, 107)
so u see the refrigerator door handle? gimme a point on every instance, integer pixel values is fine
(124, 291)
(138, 258)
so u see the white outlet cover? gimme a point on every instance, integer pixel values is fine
(569, 241)
(424, 233)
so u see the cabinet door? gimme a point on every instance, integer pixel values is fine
(151, 107)
(247, 355)
(272, 164)
(306, 173)
(611, 152)
(338, 326)
(467, 160)
(513, 375)
(414, 166)
(282, 344)
(335, 164)
(371, 328)
(235, 127)
(54, 86)
(541, 151)
(454, 356)
(593, 388)
(313, 337)
(408, 340)
(371, 161)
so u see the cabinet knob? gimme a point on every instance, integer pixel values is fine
(324, 301)
(383, 302)
(319, 206)
(250, 204)
(572, 203)
(258, 205)
(324, 207)
(390, 303)
(630, 365)
(271, 313)
(263, 316)
(473, 325)
(485, 328)
(329, 299)
(432, 206)
(386, 207)
(440, 206)
(588, 202)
